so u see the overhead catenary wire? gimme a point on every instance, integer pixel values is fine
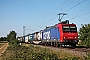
(82, 15)
(60, 9)
(64, 6)
(68, 9)
(76, 15)
(80, 12)
(56, 14)
(46, 22)
(75, 5)
(53, 11)
(68, 4)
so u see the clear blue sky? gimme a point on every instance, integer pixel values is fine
(36, 14)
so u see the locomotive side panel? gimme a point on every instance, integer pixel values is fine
(55, 34)
(51, 35)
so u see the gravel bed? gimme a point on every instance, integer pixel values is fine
(81, 52)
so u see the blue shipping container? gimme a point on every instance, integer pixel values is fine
(51, 34)
(31, 37)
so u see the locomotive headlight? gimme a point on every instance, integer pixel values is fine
(64, 37)
(75, 37)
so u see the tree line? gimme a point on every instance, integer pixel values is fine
(11, 38)
(3, 39)
(84, 34)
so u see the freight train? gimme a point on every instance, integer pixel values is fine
(60, 34)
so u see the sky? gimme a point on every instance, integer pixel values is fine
(36, 14)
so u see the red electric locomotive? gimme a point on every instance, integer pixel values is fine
(68, 33)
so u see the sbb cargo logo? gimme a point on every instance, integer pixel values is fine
(46, 35)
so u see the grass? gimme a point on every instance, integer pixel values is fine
(1, 45)
(60, 54)
(8, 53)
(29, 51)
(3, 41)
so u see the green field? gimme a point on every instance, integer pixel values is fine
(1, 45)
(31, 52)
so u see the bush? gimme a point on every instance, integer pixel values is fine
(88, 56)
(33, 53)
(69, 58)
(27, 53)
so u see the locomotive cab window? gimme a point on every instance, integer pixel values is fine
(69, 29)
(65, 28)
(73, 28)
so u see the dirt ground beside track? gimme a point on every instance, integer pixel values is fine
(3, 48)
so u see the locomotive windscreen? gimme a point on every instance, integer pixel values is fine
(69, 29)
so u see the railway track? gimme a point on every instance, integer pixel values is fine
(82, 49)
(77, 51)
(79, 48)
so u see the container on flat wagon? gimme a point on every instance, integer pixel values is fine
(18, 38)
(23, 38)
(31, 37)
(26, 39)
(39, 35)
(35, 36)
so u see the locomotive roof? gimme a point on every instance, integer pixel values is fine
(58, 24)
(69, 24)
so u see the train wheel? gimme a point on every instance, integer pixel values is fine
(73, 45)
(45, 44)
(52, 44)
(61, 46)
(49, 43)
(57, 45)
